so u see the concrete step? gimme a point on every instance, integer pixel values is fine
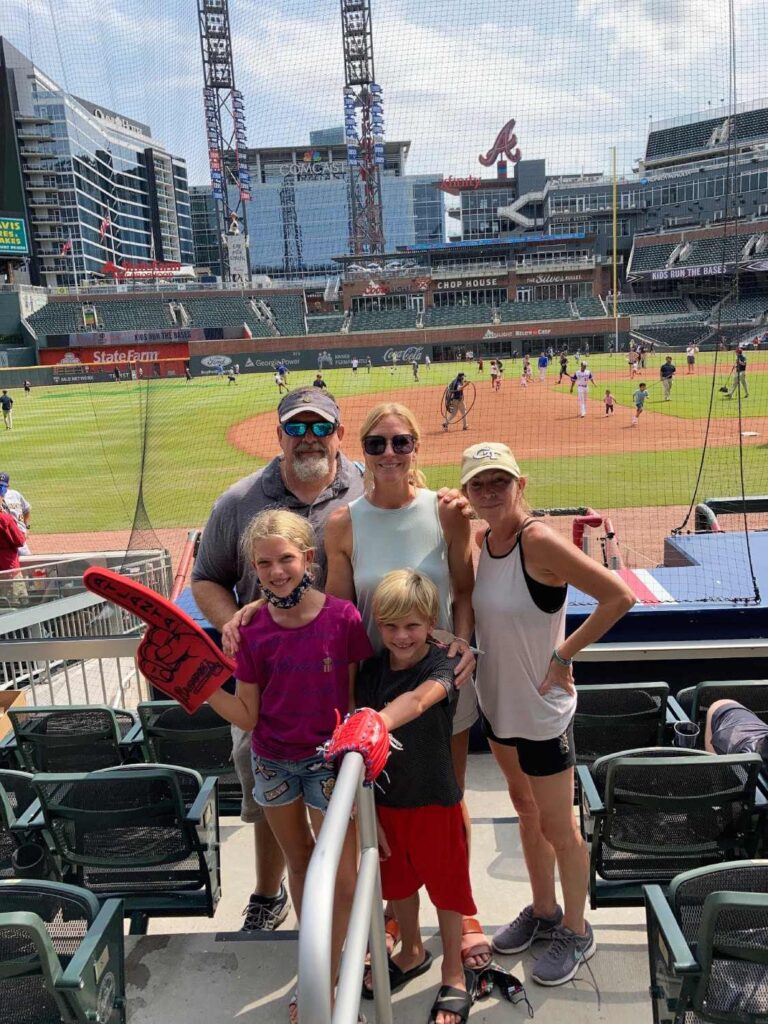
(200, 970)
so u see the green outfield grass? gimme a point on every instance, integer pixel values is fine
(76, 451)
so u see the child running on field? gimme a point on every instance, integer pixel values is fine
(494, 376)
(421, 832)
(295, 672)
(609, 402)
(639, 398)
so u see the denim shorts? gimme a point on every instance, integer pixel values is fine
(277, 783)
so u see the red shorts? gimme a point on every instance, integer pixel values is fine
(428, 847)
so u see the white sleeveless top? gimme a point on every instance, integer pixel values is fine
(517, 639)
(384, 539)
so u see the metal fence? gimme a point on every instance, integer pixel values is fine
(64, 671)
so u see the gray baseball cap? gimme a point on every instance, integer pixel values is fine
(308, 400)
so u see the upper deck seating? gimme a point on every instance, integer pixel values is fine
(449, 316)
(288, 312)
(651, 307)
(232, 311)
(651, 257)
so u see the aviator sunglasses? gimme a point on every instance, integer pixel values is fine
(402, 444)
(323, 429)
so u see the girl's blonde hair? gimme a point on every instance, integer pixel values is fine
(278, 522)
(405, 592)
(415, 476)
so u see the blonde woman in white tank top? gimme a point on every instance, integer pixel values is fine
(527, 696)
(399, 524)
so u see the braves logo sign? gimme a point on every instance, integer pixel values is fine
(505, 145)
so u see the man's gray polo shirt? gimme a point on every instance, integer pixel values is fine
(220, 559)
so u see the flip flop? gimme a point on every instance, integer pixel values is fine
(398, 978)
(175, 655)
(451, 1000)
(471, 946)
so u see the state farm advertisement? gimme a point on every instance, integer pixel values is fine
(111, 354)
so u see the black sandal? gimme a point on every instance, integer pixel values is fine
(451, 1000)
(399, 977)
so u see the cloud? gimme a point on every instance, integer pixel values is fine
(579, 76)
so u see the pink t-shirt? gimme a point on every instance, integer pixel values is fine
(302, 675)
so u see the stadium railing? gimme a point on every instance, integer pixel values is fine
(366, 921)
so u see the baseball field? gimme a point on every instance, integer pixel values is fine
(82, 453)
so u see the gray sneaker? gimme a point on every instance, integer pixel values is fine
(565, 955)
(526, 929)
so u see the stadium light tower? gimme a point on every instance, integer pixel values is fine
(227, 144)
(363, 128)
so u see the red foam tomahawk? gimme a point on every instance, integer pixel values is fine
(176, 655)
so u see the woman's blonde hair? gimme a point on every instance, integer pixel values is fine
(415, 476)
(405, 592)
(278, 522)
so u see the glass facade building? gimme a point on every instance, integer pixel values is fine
(298, 215)
(93, 185)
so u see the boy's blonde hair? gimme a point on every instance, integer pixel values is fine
(402, 412)
(278, 522)
(403, 592)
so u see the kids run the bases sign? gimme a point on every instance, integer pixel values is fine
(13, 237)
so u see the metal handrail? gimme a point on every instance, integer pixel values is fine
(366, 920)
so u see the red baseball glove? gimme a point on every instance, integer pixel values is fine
(363, 731)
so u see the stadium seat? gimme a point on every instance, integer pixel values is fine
(16, 797)
(681, 139)
(383, 320)
(652, 307)
(610, 718)
(707, 948)
(544, 309)
(592, 307)
(61, 956)
(324, 324)
(696, 700)
(148, 834)
(650, 257)
(74, 738)
(202, 741)
(656, 813)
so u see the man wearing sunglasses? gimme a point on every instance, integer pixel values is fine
(313, 478)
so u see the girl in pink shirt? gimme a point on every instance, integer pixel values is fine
(295, 671)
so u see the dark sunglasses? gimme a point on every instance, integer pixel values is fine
(402, 444)
(323, 429)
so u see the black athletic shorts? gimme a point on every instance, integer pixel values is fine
(538, 757)
(736, 730)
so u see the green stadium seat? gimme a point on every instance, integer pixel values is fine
(384, 320)
(521, 312)
(324, 324)
(707, 947)
(202, 741)
(650, 257)
(655, 813)
(74, 738)
(16, 797)
(61, 956)
(147, 834)
(681, 139)
(593, 307)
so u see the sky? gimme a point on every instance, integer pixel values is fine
(578, 76)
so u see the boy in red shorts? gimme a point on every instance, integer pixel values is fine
(421, 832)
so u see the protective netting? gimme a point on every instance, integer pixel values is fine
(538, 249)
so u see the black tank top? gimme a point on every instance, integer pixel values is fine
(546, 598)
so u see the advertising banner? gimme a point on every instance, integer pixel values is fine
(237, 253)
(13, 236)
(113, 354)
(684, 273)
(308, 359)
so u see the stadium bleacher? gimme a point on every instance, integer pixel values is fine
(451, 316)
(230, 312)
(324, 324)
(384, 320)
(549, 309)
(115, 315)
(715, 250)
(651, 307)
(681, 139)
(734, 311)
(288, 311)
(651, 257)
(591, 307)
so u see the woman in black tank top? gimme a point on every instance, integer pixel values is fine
(533, 691)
